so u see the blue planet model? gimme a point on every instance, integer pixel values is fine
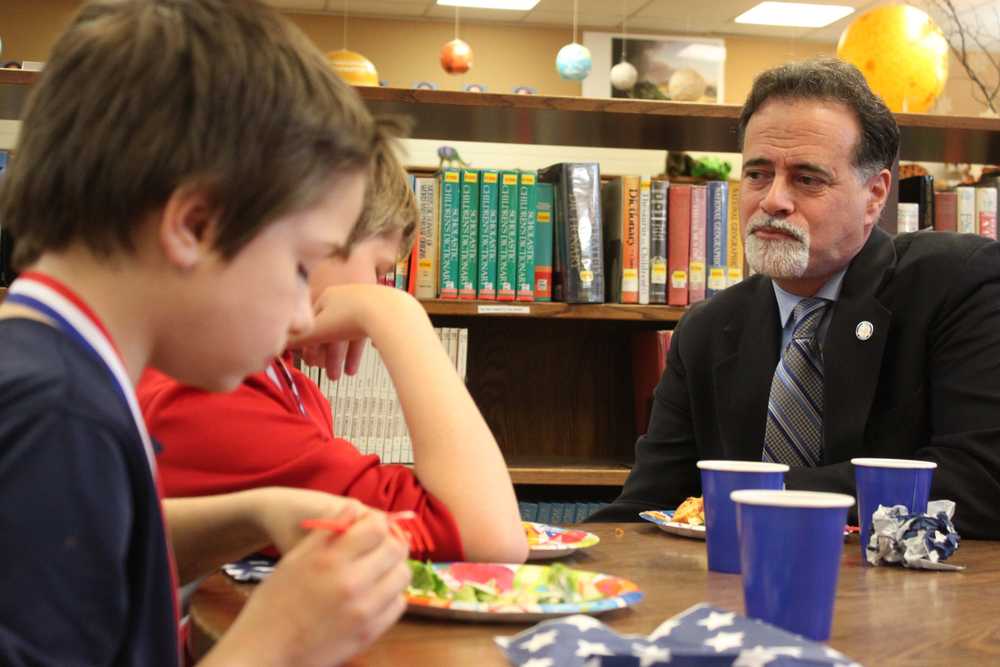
(573, 61)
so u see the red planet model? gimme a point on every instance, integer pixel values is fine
(456, 57)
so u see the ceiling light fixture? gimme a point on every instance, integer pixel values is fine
(514, 5)
(793, 14)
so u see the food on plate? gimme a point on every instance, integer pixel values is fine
(691, 511)
(502, 584)
(539, 534)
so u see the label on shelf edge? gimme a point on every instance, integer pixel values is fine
(493, 309)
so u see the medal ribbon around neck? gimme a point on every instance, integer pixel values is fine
(54, 300)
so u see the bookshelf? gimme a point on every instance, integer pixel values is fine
(554, 381)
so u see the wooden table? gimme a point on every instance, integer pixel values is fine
(883, 616)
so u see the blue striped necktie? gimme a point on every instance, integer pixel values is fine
(794, 433)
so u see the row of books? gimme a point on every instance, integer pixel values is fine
(366, 409)
(554, 513)
(670, 243)
(560, 234)
(967, 209)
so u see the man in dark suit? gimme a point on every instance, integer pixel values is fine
(847, 342)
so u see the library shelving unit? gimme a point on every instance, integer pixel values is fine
(555, 380)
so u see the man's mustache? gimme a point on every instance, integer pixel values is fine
(777, 224)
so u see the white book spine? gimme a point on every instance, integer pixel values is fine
(427, 240)
(463, 349)
(339, 402)
(644, 239)
(907, 217)
(368, 405)
(966, 210)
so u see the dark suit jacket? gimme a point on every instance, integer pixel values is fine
(926, 384)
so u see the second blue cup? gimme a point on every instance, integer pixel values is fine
(890, 482)
(718, 480)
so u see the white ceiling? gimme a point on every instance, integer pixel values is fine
(711, 17)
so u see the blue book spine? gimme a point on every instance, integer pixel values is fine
(715, 233)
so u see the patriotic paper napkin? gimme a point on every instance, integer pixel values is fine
(253, 569)
(701, 636)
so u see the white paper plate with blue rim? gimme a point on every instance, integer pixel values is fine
(664, 520)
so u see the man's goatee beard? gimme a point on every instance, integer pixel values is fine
(785, 258)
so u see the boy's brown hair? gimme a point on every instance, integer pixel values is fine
(142, 97)
(390, 204)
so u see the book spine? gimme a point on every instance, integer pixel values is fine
(679, 254)
(696, 272)
(544, 194)
(488, 194)
(427, 237)
(734, 237)
(613, 212)
(630, 240)
(463, 353)
(399, 276)
(986, 211)
(658, 241)
(468, 236)
(645, 188)
(927, 204)
(451, 213)
(967, 210)
(525, 290)
(717, 230)
(507, 218)
(580, 243)
(946, 212)
(907, 217)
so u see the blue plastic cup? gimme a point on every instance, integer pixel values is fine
(790, 548)
(718, 480)
(890, 482)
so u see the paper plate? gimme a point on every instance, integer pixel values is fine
(602, 593)
(665, 521)
(554, 542)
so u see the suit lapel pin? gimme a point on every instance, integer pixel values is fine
(864, 330)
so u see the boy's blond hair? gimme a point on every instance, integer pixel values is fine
(390, 205)
(141, 98)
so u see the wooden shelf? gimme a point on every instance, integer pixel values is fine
(555, 310)
(620, 123)
(562, 474)
(555, 473)
(613, 123)
(3, 293)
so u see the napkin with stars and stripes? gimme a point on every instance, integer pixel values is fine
(698, 637)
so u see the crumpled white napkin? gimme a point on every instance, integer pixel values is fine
(918, 541)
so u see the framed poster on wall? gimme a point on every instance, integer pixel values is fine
(681, 68)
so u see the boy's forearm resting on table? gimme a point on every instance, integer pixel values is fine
(455, 455)
(208, 531)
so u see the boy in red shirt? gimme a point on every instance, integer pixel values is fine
(276, 428)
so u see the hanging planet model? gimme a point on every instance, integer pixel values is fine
(573, 61)
(623, 76)
(456, 57)
(901, 52)
(353, 67)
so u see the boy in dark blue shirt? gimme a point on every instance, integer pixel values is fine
(182, 166)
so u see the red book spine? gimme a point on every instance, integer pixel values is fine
(679, 243)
